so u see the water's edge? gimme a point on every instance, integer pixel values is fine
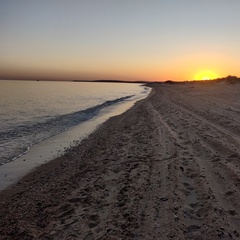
(43, 130)
(57, 145)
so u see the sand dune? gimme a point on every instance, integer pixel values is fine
(169, 168)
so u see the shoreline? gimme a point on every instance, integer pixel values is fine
(166, 168)
(56, 145)
(51, 113)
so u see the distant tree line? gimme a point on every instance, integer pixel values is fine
(229, 79)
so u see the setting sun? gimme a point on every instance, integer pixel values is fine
(206, 75)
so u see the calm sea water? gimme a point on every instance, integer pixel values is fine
(31, 111)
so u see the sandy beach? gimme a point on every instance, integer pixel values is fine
(168, 168)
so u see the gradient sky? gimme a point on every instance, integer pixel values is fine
(119, 39)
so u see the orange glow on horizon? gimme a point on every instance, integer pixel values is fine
(206, 75)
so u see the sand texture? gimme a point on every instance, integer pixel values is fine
(168, 168)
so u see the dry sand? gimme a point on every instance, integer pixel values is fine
(168, 168)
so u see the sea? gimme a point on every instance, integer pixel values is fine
(33, 111)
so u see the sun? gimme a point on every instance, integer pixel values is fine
(206, 75)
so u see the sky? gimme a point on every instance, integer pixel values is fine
(153, 40)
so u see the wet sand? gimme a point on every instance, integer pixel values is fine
(168, 168)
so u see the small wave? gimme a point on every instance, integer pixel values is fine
(21, 137)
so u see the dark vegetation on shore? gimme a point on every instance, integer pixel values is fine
(229, 79)
(111, 81)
